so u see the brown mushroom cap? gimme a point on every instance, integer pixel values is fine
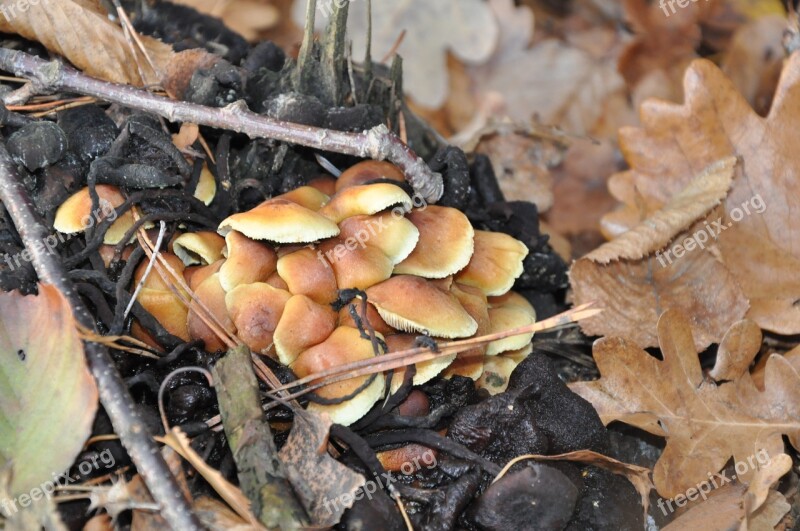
(470, 362)
(255, 310)
(344, 345)
(366, 171)
(426, 370)
(306, 272)
(154, 280)
(195, 248)
(392, 234)
(167, 309)
(365, 200)
(247, 261)
(324, 183)
(282, 221)
(355, 266)
(495, 263)
(303, 325)
(305, 196)
(445, 243)
(505, 318)
(412, 304)
(75, 214)
(212, 296)
(195, 275)
(375, 319)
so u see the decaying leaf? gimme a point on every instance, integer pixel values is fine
(248, 18)
(759, 244)
(635, 286)
(705, 422)
(758, 490)
(48, 396)
(465, 28)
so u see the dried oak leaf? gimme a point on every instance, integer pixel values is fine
(761, 250)
(48, 397)
(81, 32)
(636, 287)
(466, 28)
(705, 422)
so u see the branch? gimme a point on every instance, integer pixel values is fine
(114, 396)
(377, 143)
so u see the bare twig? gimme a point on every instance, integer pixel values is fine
(114, 395)
(377, 143)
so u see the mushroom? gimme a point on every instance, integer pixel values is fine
(211, 295)
(344, 345)
(366, 171)
(413, 304)
(497, 369)
(306, 272)
(356, 266)
(495, 264)
(206, 186)
(76, 215)
(303, 325)
(365, 199)
(394, 235)
(375, 320)
(324, 183)
(509, 311)
(198, 247)
(470, 362)
(281, 221)
(195, 275)
(255, 310)
(306, 196)
(156, 297)
(246, 261)
(445, 243)
(426, 370)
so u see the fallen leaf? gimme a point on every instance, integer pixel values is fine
(762, 249)
(49, 397)
(466, 28)
(758, 490)
(248, 18)
(635, 286)
(705, 422)
(769, 515)
(722, 511)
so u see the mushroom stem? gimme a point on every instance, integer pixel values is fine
(377, 143)
(114, 395)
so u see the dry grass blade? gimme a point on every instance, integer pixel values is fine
(404, 358)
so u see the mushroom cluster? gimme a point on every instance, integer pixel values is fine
(271, 275)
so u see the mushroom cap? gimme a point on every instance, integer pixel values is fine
(276, 281)
(206, 186)
(282, 221)
(344, 345)
(495, 264)
(306, 272)
(470, 362)
(366, 171)
(75, 214)
(426, 370)
(505, 318)
(195, 275)
(375, 319)
(411, 455)
(445, 243)
(496, 372)
(394, 235)
(324, 183)
(303, 325)
(107, 253)
(194, 248)
(305, 196)
(255, 310)
(247, 261)
(412, 304)
(167, 309)
(512, 298)
(154, 280)
(356, 266)
(365, 199)
(212, 296)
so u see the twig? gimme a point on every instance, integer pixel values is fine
(377, 143)
(117, 401)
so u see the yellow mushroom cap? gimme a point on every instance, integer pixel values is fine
(154, 280)
(247, 261)
(445, 243)
(356, 266)
(195, 275)
(375, 320)
(344, 345)
(206, 186)
(426, 370)
(211, 295)
(368, 170)
(195, 248)
(366, 199)
(394, 235)
(76, 215)
(306, 272)
(495, 264)
(167, 309)
(303, 325)
(306, 196)
(255, 310)
(503, 319)
(470, 362)
(281, 221)
(412, 304)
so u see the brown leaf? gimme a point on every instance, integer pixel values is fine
(248, 18)
(759, 488)
(761, 249)
(705, 423)
(722, 511)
